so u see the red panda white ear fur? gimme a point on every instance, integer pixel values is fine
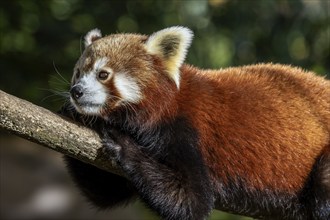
(92, 36)
(171, 44)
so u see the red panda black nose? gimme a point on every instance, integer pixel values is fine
(76, 92)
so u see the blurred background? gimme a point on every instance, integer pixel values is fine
(40, 42)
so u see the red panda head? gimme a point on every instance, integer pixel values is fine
(123, 70)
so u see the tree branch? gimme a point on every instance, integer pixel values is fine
(42, 126)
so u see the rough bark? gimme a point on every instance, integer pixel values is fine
(48, 129)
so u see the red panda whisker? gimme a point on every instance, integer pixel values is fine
(60, 95)
(58, 72)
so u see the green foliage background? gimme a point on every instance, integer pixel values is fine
(38, 35)
(39, 38)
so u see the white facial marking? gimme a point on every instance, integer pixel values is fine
(127, 87)
(95, 95)
(100, 63)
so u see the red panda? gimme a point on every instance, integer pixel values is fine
(251, 140)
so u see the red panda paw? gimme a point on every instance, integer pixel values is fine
(111, 149)
(123, 149)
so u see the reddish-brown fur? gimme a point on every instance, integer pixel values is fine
(269, 122)
(266, 124)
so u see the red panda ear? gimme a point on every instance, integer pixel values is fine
(92, 36)
(171, 44)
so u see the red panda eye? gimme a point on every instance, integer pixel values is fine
(103, 75)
